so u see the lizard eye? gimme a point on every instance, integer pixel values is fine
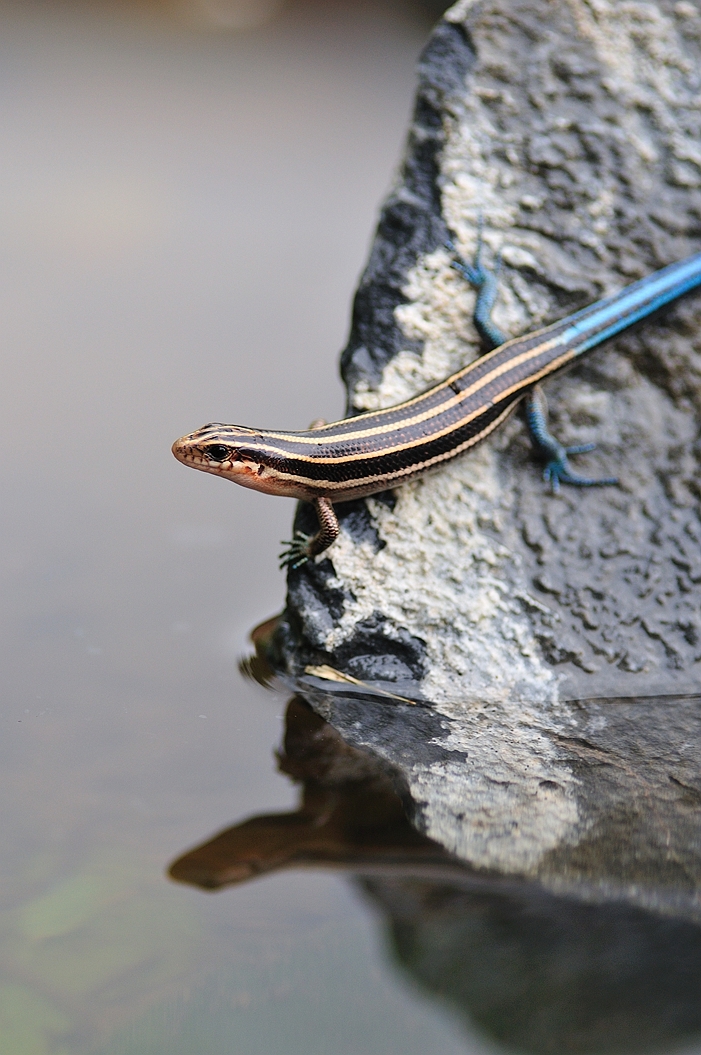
(217, 452)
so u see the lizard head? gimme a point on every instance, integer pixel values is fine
(230, 451)
(225, 450)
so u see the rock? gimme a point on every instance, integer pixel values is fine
(572, 131)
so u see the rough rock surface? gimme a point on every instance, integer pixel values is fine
(573, 131)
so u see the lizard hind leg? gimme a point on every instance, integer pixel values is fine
(556, 456)
(557, 468)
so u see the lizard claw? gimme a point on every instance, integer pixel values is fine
(296, 552)
(558, 471)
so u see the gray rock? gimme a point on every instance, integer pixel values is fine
(572, 130)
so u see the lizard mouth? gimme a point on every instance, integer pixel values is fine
(186, 451)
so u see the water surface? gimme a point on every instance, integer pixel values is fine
(183, 215)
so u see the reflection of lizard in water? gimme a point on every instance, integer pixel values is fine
(350, 817)
(539, 973)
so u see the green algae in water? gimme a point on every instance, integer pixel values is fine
(330, 993)
(96, 949)
(30, 1024)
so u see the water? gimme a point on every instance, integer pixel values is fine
(184, 211)
(183, 216)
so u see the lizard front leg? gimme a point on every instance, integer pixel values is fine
(303, 547)
(555, 455)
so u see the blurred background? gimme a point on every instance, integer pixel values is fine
(252, 14)
(188, 190)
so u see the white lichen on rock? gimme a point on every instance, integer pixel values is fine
(438, 312)
(441, 576)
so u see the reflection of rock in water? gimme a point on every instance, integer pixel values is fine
(537, 972)
(350, 817)
(549, 975)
